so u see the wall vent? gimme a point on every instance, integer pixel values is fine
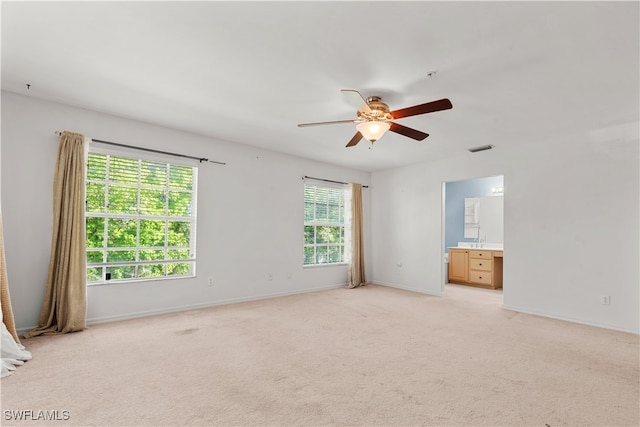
(480, 148)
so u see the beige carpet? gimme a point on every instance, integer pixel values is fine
(372, 356)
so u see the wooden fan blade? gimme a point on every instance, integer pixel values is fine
(411, 133)
(356, 138)
(354, 98)
(429, 107)
(302, 125)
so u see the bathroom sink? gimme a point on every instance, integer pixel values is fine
(466, 245)
(474, 245)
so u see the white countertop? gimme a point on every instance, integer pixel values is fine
(486, 247)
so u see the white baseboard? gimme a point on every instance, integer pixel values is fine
(21, 331)
(522, 310)
(147, 313)
(407, 288)
(570, 319)
(105, 319)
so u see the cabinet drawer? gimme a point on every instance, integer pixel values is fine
(480, 277)
(480, 264)
(480, 254)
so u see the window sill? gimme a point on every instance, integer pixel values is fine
(334, 264)
(127, 281)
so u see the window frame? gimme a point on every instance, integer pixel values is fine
(138, 217)
(344, 225)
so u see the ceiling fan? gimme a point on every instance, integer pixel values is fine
(375, 118)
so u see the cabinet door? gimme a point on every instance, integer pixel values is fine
(458, 265)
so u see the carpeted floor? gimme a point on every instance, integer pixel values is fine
(373, 356)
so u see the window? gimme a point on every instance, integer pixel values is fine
(140, 219)
(324, 224)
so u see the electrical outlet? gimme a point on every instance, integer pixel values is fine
(210, 280)
(605, 300)
(270, 277)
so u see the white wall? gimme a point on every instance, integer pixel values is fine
(571, 210)
(571, 221)
(249, 225)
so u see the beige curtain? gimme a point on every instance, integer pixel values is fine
(356, 269)
(64, 308)
(5, 297)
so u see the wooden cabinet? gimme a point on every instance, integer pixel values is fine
(458, 265)
(475, 267)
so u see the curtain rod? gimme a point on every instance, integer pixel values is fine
(200, 159)
(329, 180)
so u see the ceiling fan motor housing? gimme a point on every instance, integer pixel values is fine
(379, 110)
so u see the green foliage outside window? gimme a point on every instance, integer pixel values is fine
(139, 214)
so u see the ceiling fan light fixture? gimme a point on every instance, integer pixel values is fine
(373, 130)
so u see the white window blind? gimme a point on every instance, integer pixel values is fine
(324, 224)
(140, 219)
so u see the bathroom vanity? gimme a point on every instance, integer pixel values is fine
(476, 267)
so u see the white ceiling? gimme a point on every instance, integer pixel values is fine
(249, 72)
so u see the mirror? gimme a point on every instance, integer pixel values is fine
(483, 218)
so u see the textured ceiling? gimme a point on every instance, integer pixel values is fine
(249, 72)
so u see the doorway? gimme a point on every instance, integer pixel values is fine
(473, 218)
